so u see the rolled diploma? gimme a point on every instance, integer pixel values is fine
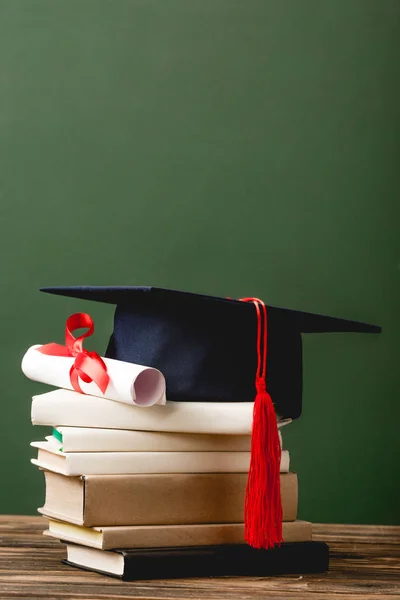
(129, 383)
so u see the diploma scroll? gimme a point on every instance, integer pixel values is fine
(129, 383)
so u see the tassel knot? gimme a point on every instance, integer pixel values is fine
(261, 386)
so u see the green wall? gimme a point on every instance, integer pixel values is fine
(231, 147)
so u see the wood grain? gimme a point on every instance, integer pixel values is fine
(365, 565)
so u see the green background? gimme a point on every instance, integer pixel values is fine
(235, 148)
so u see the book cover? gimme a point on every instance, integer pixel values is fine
(108, 463)
(169, 563)
(161, 499)
(67, 408)
(88, 439)
(164, 536)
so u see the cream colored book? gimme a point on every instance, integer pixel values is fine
(108, 463)
(88, 439)
(162, 499)
(166, 536)
(67, 408)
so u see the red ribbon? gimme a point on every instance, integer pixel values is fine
(88, 366)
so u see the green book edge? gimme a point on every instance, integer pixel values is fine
(58, 435)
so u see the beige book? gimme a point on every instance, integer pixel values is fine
(166, 536)
(89, 439)
(162, 499)
(108, 463)
(67, 408)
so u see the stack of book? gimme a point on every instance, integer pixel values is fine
(139, 487)
(158, 491)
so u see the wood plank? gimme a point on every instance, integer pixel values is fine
(365, 564)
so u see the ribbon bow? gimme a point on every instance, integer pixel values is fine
(87, 366)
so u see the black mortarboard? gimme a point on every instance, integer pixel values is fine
(206, 346)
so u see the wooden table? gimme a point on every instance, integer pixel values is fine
(365, 565)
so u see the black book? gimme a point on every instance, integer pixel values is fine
(171, 563)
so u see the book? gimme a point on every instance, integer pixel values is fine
(235, 560)
(88, 439)
(108, 463)
(163, 499)
(163, 536)
(67, 408)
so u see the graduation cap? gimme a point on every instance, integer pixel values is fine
(222, 350)
(206, 346)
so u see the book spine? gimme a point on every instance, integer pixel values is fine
(165, 536)
(67, 408)
(180, 499)
(302, 557)
(125, 463)
(77, 439)
(296, 558)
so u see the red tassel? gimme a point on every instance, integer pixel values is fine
(263, 507)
